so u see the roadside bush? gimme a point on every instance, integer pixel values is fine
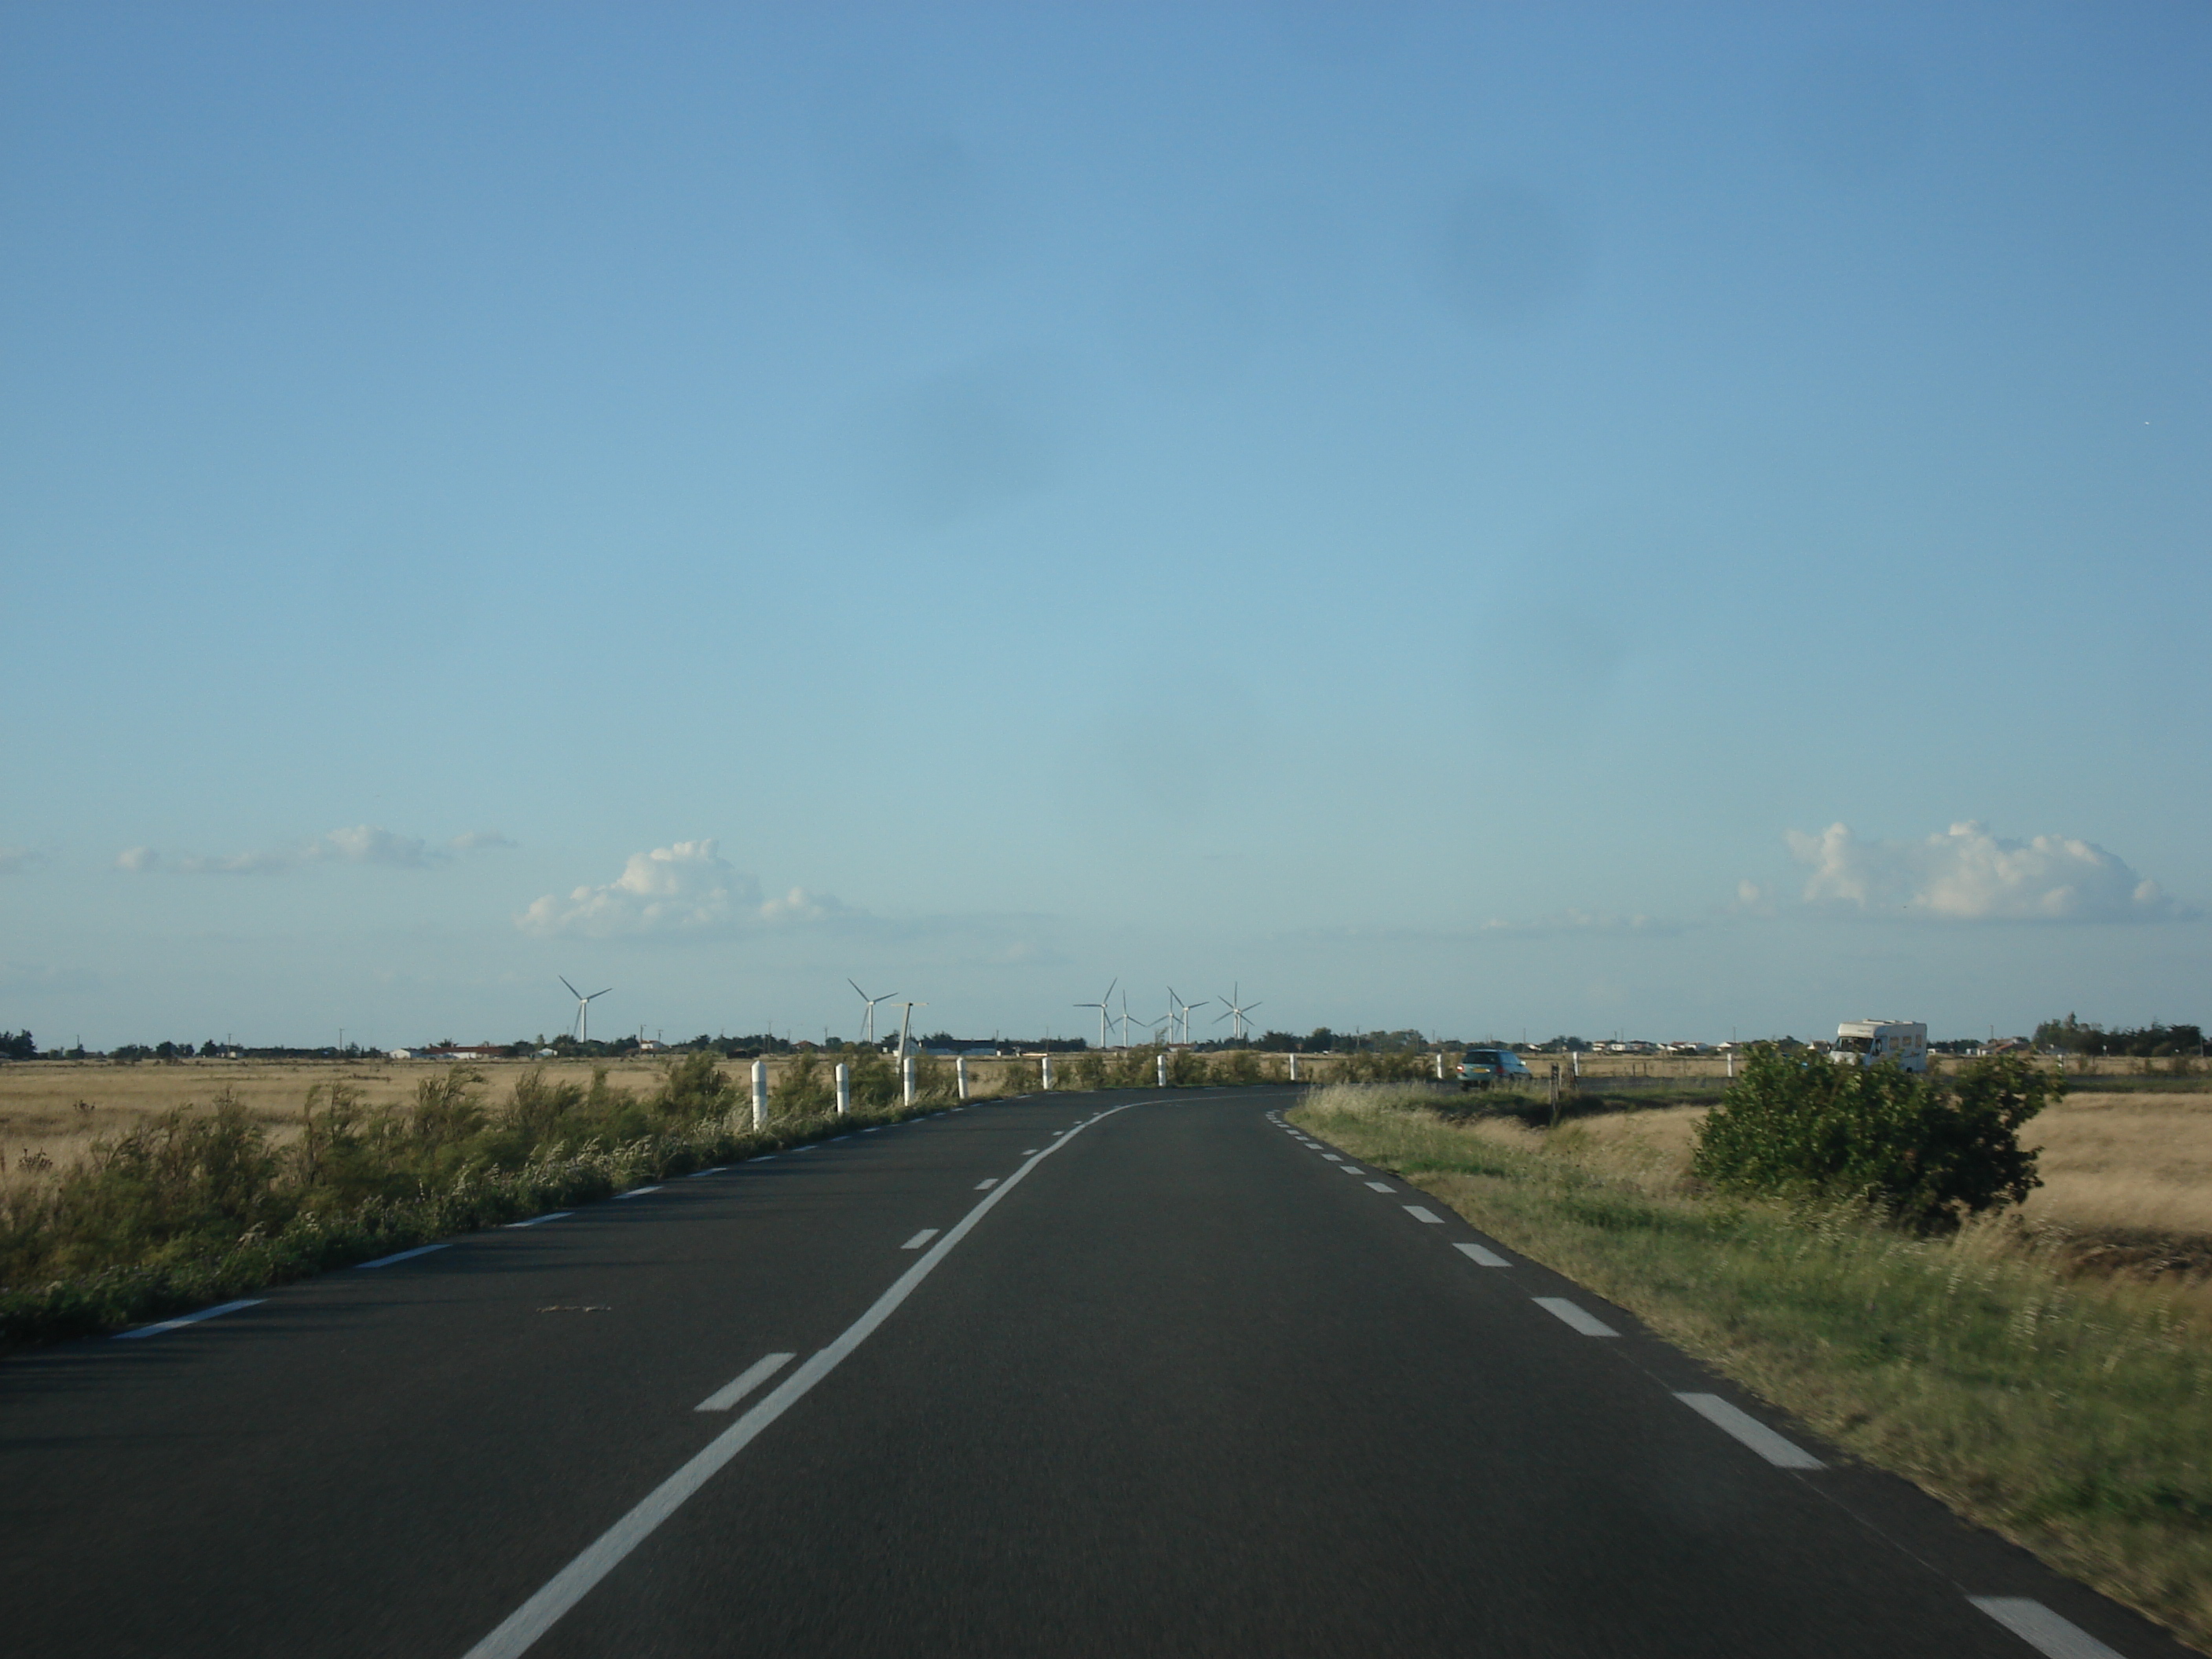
(1924, 1151)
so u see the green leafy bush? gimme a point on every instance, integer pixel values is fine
(1925, 1153)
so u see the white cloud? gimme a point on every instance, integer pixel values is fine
(367, 844)
(1967, 874)
(686, 887)
(359, 844)
(482, 840)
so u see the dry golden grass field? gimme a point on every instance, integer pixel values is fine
(2129, 1170)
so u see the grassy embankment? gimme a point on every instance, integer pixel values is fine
(151, 1212)
(198, 1205)
(2071, 1413)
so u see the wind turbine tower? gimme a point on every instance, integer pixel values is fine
(583, 1006)
(1236, 1011)
(1101, 1006)
(868, 1027)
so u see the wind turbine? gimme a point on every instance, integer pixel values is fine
(868, 1030)
(583, 1005)
(1236, 1011)
(1101, 1006)
(1184, 1012)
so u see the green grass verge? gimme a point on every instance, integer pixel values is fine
(2075, 1419)
(193, 1211)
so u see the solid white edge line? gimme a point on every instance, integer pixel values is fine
(522, 1627)
(1568, 1313)
(401, 1255)
(1481, 1257)
(920, 1239)
(554, 1215)
(183, 1319)
(1782, 1454)
(2042, 1629)
(745, 1383)
(1422, 1212)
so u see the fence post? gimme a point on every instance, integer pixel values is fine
(906, 1078)
(960, 1073)
(1163, 1071)
(844, 1090)
(1294, 1068)
(760, 1094)
(1044, 1071)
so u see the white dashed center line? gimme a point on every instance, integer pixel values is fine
(1588, 1323)
(1029, 1151)
(2042, 1629)
(701, 1175)
(637, 1191)
(540, 1220)
(1481, 1257)
(1383, 1186)
(387, 1260)
(1334, 1158)
(1753, 1433)
(745, 1383)
(215, 1312)
(920, 1239)
(987, 1183)
(1421, 1213)
(1348, 1168)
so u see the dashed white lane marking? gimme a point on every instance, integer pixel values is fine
(871, 1128)
(521, 1629)
(1334, 1158)
(701, 1175)
(540, 1220)
(1421, 1212)
(215, 1312)
(1588, 1323)
(1383, 1186)
(1782, 1454)
(637, 1191)
(2042, 1629)
(987, 1183)
(797, 1150)
(745, 1383)
(920, 1239)
(1349, 1169)
(847, 1136)
(1029, 1152)
(1481, 1257)
(401, 1255)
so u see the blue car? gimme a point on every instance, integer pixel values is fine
(1481, 1068)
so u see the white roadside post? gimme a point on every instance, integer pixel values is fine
(1731, 1059)
(844, 1090)
(1440, 1066)
(1044, 1071)
(760, 1094)
(960, 1074)
(1163, 1071)
(906, 1078)
(1294, 1068)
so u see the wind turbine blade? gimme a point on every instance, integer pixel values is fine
(857, 991)
(573, 991)
(597, 994)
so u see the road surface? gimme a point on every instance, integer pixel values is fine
(1115, 1374)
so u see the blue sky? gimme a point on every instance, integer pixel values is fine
(1433, 514)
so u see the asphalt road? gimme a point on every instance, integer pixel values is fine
(1116, 1374)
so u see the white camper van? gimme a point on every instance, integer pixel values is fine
(1863, 1042)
